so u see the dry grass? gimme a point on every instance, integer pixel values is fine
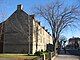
(22, 56)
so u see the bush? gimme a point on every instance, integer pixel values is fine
(41, 50)
(38, 53)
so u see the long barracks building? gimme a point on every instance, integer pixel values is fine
(21, 33)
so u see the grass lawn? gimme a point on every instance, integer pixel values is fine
(17, 56)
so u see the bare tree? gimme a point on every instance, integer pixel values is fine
(59, 17)
(62, 41)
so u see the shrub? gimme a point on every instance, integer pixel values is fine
(41, 50)
(38, 53)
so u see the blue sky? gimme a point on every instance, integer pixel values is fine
(9, 6)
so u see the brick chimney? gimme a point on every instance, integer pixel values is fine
(19, 7)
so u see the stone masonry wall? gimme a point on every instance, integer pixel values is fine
(17, 33)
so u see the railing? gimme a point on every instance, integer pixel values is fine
(47, 56)
(51, 55)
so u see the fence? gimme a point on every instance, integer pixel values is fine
(47, 56)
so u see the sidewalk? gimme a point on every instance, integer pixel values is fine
(67, 57)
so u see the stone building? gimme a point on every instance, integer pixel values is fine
(21, 33)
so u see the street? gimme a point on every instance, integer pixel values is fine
(67, 57)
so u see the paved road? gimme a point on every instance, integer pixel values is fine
(67, 57)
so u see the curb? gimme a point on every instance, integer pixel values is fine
(54, 56)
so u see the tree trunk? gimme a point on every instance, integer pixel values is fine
(55, 46)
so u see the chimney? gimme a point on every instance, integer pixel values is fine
(32, 16)
(46, 30)
(38, 22)
(43, 27)
(19, 7)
